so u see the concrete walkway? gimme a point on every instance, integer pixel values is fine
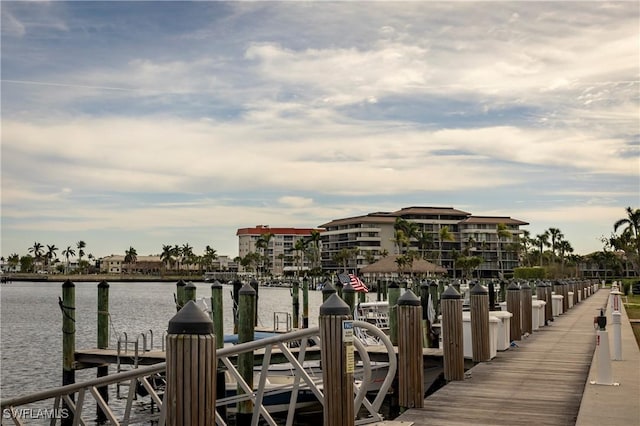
(614, 405)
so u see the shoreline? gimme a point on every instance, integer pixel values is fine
(59, 278)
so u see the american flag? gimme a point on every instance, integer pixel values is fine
(355, 282)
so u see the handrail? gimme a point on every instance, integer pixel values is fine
(301, 380)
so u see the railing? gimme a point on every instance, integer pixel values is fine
(71, 401)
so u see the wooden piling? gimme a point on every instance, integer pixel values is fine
(327, 291)
(256, 288)
(349, 296)
(435, 299)
(305, 302)
(217, 313)
(541, 294)
(479, 304)
(103, 342)
(410, 362)
(338, 287)
(548, 295)
(189, 292)
(295, 294)
(337, 361)
(452, 337)
(191, 369)
(68, 307)
(526, 299)
(565, 300)
(246, 328)
(394, 295)
(180, 294)
(514, 306)
(426, 325)
(237, 285)
(491, 289)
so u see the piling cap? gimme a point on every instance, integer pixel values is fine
(450, 293)
(68, 284)
(424, 284)
(348, 288)
(103, 284)
(247, 289)
(525, 285)
(334, 306)
(216, 284)
(513, 286)
(181, 283)
(478, 289)
(189, 285)
(408, 299)
(394, 284)
(328, 288)
(432, 283)
(190, 320)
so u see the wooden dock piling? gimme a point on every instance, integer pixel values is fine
(191, 369)
(514, 306)
(394, 295)
(68, 307)
(189, 292)
(180, 294)
(349, 296)
(410, 361)
(295, 294)
(217, 311)
(327, 290)
(526, 299)
(337, 361)
(305, 302)
(452, 334)
(479, 301)
(103, 342)
(246, 328)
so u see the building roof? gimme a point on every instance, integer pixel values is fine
(119, 258)
(388, 264)
(430, 210)
(265, 229)
(493, 220)
(379, 217)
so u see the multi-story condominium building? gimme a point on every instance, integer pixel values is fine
(439, 234)
(115, 264)
(284, 252)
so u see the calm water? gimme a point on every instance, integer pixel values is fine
(31, 324)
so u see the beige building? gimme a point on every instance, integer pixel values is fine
(115, 264)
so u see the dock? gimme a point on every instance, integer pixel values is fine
(544, 380)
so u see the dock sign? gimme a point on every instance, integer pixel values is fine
(347, 340)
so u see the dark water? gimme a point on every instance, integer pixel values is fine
(31, 324)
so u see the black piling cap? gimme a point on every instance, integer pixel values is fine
(513, 287)
(478, 289)
(190, 320)
(424, 284)
(348, 288)
(68, 284)
(334, 306)
(103, 284)
(394, 284)
(216, 284)
(328, 288)
(433, 284)
(408, 299)
(189, 285)
(181, 283)
(525, 285)
(450, 293)
(247, 289)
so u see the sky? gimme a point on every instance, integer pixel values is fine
(143, 124)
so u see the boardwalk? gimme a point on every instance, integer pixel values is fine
(541, 382)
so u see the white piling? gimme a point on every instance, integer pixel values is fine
(616, 330)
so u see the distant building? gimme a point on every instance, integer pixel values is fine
(280, 257)
(373, 235)
(115, 264)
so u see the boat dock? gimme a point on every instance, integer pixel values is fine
(544, 380)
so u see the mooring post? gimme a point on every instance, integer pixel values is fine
(565, 299)
(327, 291)
(362, 296)
(255, 286)
(349, 296)
(379, 291)
(189, 292)
(452, 337)
(180, 294)
(337, 357)
(305, 302)
(338, 286)
(394, 295)
(218, 331)
(426, 325)
(295, 294)
(246, 328)
(237, 285)
(68, 307)
(410, 362)
(191, 367)
(514, 303)
(491, 289)
(103, 343)
(541, 294)
(527, 319)
(479, 301)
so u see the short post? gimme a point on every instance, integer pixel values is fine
(565, 294)
(237, 285)
(603, 371)
(305, 302)
(217, 315)
(246, 328)
(337, 361)
(327, 290)
(503, 291)
(426, 324)
(68, 307)
(452, 337)
(180, 294)
(435, 300)
(394, 295)
(410, 363)
(338, 287)
(492, 295)
(256, 288)
(191, 367)
(526, 298)
(362, 296)
(379, 291)
(189, 292)
(616, 325)
(103, 343)
(513, 306)
(349, 296)
(295, 294)
(548, 308)
(479, 304)
(541, 295)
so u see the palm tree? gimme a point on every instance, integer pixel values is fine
(525, 241)
(299, 247)
(632, 222)
(262, 243)
(166, 257)
(51, 253)
(130, 258)
(314, 253)
(556, 236)
(425, 242)
(14, 261)
(209, 257)
(37, 250)
(502, 232)
(564, 248)
(80, 245)
(542, 241)
(444, 235)
(67, 253)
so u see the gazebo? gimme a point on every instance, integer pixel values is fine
(388, 267)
